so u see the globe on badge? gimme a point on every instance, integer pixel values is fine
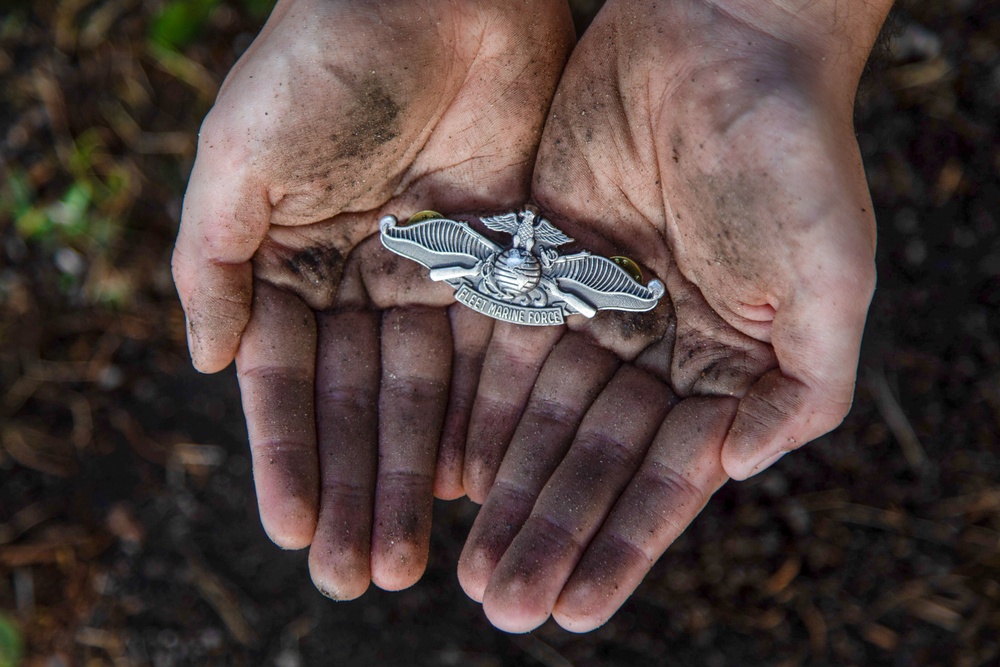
(516, 272)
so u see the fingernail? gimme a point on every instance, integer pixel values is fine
(765, 463)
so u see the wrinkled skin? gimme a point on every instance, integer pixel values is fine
(338, 113)
(716, 148)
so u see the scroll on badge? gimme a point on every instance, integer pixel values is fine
(526, 282)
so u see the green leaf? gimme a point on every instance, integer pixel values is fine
(70, 213)
(18, 196)
(33, 223)
(86, 148)
(11, 643)
(180, 22)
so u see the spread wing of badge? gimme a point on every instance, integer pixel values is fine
(528, 282)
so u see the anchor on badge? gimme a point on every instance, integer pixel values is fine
(528, 282)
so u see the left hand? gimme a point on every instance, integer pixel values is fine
(338, 113)
(720, 155)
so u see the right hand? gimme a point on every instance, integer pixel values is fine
(712, 142)
(338, 113)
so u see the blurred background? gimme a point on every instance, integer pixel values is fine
(128, 530)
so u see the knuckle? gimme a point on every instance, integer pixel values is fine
(668, 485)
(415, 392)
(609, 452)
(550, 530)
(552, 411)
(511, 494)
(415, 483)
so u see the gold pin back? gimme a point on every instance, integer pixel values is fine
(423, 215)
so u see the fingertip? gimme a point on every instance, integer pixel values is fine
(448, 486)
(216, 299)
(496, 527)
(287, 503)
(290, 526)
(742, 468)
(214, 350)
(341, 593)
(207, 358)
(398, 566)
(577, 623)
(474, 569)
(586, 603)
(514, 608)
(339, 575)
(524, 586)
(209, 364)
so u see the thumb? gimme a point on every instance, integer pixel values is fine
(816, 336)
(225, 216)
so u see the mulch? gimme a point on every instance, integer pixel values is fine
(128, 530)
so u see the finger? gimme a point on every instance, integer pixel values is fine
(678, 476)
(224, 219)
(470, 334)
(276, 366)
(347, 386)
(416, 368)
(817, 339)
(604, 456)
(572, 377)
(513, 359)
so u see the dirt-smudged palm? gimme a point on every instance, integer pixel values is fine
(712, 142)
(338, 113)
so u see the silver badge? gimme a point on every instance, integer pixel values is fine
(528, 282)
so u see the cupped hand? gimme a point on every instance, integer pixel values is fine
(337, 113)
(713, 143)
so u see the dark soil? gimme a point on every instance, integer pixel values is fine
(128, 528)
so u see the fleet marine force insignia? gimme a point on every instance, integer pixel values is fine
(528, 282)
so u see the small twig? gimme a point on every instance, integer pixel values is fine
(816, 627)
(83, 420)
(222, 597)
(72, 541)
(983, 540)
(780, 580)
(541, 651)
(27, 518)
(36, 449)
(24, 591)
(978, 504)
(896, 420)
(881, 636)
(933, 612)
(102, 639)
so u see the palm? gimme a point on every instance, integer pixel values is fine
(724, 176)
(338, 113)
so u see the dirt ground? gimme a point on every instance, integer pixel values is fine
(128, 530)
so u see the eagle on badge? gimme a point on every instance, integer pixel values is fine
(527, 229)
